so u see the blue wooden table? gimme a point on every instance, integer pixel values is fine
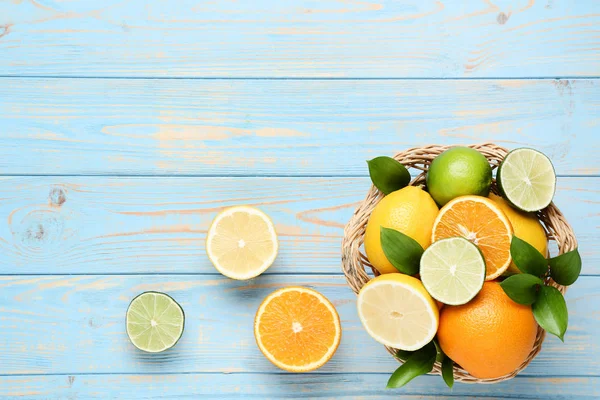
(125, 126)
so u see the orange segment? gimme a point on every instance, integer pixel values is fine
(297, 329)
(481, 221)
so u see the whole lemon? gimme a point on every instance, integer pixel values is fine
(410, 210)
(458, 171)
(490, 336)
(526, 226)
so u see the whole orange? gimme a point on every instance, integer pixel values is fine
(490, 336)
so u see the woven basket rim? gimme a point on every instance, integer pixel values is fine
(355, 262)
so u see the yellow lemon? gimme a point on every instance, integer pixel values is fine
(397, 311)
(526, 226)
(410, 210)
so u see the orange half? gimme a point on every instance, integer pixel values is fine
(297, 329)
(481, 221)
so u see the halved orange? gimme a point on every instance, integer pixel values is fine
(481, 221)
(297, 329)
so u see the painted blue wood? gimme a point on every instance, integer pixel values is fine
(75, 324)
(62, 335)
(258, 127)
(307, 38)
(294, 386)
(96, 225)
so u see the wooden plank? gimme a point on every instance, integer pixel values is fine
(258, 127)
(71, 325)
(103, 225)
(267, 386)
(328, 38)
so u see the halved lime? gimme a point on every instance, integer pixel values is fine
(526, 179)
(453, 270)
(154, 322)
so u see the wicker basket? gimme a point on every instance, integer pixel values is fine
(355, 263)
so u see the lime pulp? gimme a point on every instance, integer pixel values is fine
(453, 270)
(527, 179)
(155, 322)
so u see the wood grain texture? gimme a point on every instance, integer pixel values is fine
(258, 127)
(70, 325)
(262, 38)
(91, 225)
(271, 386)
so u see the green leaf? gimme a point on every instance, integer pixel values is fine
(402, 251)
(522, 288)
(448, 371)
(403, 354)
(447, 364)
(440, 353)
(550, 311)
(527, 258)
(418, 363)
(387, 174)
(565, 269)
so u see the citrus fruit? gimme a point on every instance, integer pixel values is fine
(526, 179)
(452, 270)
(397, 311)
(297, 329)
(490, 336)
(481, 221)
(526, 226)
(154, 322)
(411, 211)
(241, 242)
(458, 171)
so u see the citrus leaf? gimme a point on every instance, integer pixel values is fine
(440, 353)
(418, 363)
(565, 269)
(448, 371)
(550, 311)
(403, 354)
(522, 288)
(387, 174)
(527, 258)
(447, 364)
(402, 251)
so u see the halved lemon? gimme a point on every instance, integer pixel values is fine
(242, 242)
(297, 329)
(481, 221)
(397, 311)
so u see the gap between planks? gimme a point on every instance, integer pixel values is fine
(306, 78)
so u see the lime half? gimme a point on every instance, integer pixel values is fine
(452, 270)
(154, 322)
(527, 180)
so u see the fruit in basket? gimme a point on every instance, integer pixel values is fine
(526, 226)
(493, 335)
(452, 270)
(526, 178)
(241, 242)
(297, 329)
(458, 171)
(490, 336)
(481, 221)
(411, 211)
(397, 311)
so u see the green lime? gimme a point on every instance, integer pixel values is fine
(154, 322)
(458, 171)
(526, 179)
(452, 270)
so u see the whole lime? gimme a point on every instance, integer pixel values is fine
(458, 171)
